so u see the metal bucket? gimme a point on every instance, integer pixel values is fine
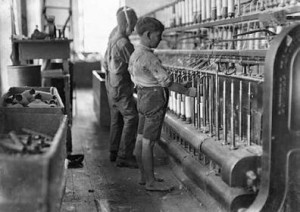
(24, 75)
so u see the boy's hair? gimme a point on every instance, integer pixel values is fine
(148, 24)
(125, 15)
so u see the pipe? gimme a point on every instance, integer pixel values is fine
(233, 76)
(232, 118)
(240, 110)
(233, 163)
(224, 114)
(249, 116)
(210, 105)
(217, 103)
(230, 198)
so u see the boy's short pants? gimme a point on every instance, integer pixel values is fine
(152, 104)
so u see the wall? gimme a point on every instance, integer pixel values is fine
(5, 42)
(34, 12)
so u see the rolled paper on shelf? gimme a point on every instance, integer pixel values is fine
(214, 9)
(224, 8)
(219, 9)
(188, 112)
(182, 102)
(178, 104)
(203, 10)
(174, 102)
(38, 103)
(208, 10)
(28, 94)
(230, 8)
(21, 99)
(45, 95)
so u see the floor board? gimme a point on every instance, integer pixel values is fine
(101, 186)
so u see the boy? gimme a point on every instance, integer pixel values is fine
(124, 116)
(152, 82)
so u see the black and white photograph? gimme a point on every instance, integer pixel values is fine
(149, 105)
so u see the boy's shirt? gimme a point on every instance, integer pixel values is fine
(117, 59)
(105, 59)
(146, 69)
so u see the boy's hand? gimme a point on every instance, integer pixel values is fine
(179, 88)
(191, 92)
(186, 84)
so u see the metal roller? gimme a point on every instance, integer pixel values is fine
(231, 8)
(199, 3)
(208, 10)
(203, 10)
(224, 8)
(219, 9)
(214, 9)
(210, 104)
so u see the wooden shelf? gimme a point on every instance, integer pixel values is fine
(24, 50)
(41, 49)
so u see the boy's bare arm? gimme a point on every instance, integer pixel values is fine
(179, 88)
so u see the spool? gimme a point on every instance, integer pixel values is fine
(24, 75)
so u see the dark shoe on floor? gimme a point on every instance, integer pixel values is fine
(76, 158)
(75, 161)
(74, 165)
(113, 156)
(127, 163)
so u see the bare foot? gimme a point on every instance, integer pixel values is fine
(157, 179)
(158, 186)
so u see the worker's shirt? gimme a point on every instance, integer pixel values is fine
(146, 69)
(117, 59)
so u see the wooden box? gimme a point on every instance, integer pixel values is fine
(33, 182)
(15, 90)
(101, 106)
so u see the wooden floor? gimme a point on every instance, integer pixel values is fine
(101, 186)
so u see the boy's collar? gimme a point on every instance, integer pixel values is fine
(145, 47)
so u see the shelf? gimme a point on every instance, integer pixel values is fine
(43, 41)
(43, 49)
(250, 17)
(258, 79)
(56, 7)
(237, 53)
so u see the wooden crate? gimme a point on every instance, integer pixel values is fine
(101, 107)
(32, 183)
(15, 90)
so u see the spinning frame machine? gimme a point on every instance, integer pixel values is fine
(238, 137)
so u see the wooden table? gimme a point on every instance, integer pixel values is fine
(24, 50)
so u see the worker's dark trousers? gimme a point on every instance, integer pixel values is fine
(123, 125)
